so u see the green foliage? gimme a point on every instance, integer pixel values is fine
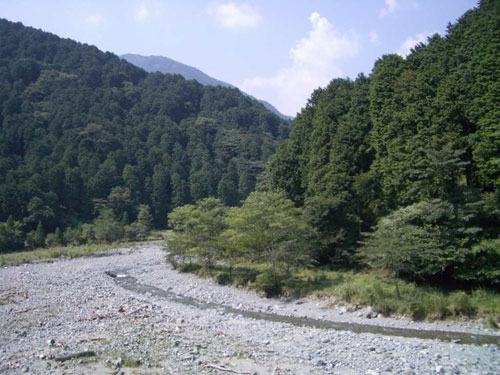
(107, 228)
(415, 241)
(51, 240)
(36, 238)
(20, 257)
(269, 283)
(382, 151)
(80, 126)
(197, 229)
(482, 263)
(144, 221)
(11, 235)
(337, 229)
(269, 228)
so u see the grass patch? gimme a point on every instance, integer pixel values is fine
(386, 295)
(17, 258)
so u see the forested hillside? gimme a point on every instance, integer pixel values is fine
(166, 65)
(82, 129)
(410, 154)
(162, 64)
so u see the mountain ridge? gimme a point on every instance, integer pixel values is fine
(166, 65)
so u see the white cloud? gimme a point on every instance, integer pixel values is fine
(390, 7)
(141, 14)
(313, 64)
(233, 16)
(94, 19)
(411, 42)
(373, 37)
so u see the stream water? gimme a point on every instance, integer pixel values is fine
(130, 283)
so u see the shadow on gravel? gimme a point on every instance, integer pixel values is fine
(130, 283)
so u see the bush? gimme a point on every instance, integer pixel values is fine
(347, 291)
(460, 304)
(51, 240)
(435, 306)
(223, 278)
(131, 231)
(87, 234)
(107, 228)
(371, 293)
(188, 267)
(492, 322)
(243, 279)
(11, 235)
(72, 236)
(269, 283)
(36, 238)
(481, 264)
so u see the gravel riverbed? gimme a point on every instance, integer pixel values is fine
(65, 307)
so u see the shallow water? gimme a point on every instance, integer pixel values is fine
(130, 283)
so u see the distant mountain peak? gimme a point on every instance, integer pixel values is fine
(166, 65)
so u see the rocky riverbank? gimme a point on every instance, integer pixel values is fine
(50, 310)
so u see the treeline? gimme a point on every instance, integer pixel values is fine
(77, 124)
(266, 229)
(401, 170)
(105, 228)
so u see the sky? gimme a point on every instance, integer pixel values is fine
(276, 50)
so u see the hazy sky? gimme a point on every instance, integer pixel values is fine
(277, 50)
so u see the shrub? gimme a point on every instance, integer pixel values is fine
(460, 304)
(107, 228)
(36, 238)
(188, 267)
(144, 222)
(243, 279)
(435, 306)
(347, 291)
(72, 236)
(492, 322)
(223, 278)
(11, 235)
(269, 283)
(371, 293)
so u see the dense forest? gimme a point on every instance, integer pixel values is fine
(85, 134)
(398, 170)
(401, 169)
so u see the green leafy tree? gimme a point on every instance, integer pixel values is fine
(418, 241)
(144, 221)
(196, 231)
(11, 235)
(106, 227)
(120, 200)
(36, 238)
(269, 228)
(337, 229)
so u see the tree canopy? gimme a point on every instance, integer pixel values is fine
(78, 126)
(419, 136)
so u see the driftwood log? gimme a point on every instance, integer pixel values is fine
(67, 357)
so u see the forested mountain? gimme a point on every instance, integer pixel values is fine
(80, 127)
(165, 65)
(412, 151)
(168, 66)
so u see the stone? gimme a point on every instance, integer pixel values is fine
(320, 363)
(440, 370)
(119, 362)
